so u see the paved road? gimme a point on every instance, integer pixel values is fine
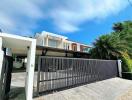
(111, 89)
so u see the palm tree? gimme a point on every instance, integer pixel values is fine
(117, 27)
(105, 48)
(125, 35)
(111, 45)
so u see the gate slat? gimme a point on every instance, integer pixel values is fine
(59, 72)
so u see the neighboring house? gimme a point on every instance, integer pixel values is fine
(80, 47)
(58, 41)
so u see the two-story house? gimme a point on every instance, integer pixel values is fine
(58, 41)
(52, 40)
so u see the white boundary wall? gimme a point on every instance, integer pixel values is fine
(30, 70)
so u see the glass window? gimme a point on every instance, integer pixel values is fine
(86, 49)
(66, 46)
(42, 42)
(52, 43)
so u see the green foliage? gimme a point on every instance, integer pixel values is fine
(104, 48)
(126, 62)
(125, 35)
(116, 45)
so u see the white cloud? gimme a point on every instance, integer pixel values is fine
(75, 12)
(21, 16)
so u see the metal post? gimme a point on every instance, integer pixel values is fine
(38, 77)
(119, 68)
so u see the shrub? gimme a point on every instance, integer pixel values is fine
(126, 62)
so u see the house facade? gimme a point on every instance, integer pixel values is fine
(58, 41)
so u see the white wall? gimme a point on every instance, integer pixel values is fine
(40, 41)
(30, 70)
(1, 56)
(45, 37)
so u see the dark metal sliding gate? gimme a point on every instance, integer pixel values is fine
(58, 72)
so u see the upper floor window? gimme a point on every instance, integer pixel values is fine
(42, 42)
(66, 46)
(74, 47)
(52, 43)
(86, 49)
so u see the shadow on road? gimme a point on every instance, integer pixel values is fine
(17, 93)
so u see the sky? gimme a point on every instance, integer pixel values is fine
(80, 20)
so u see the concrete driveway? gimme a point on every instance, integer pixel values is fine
(110, 89)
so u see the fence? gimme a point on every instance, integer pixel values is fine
(57, 72)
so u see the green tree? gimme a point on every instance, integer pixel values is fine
(125, 34)
(105, 47)
(127, 62)
(111, 45)
(116, 45)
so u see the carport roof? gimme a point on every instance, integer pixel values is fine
(15, 42)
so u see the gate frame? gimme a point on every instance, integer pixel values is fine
(118, 64)
(30, 61)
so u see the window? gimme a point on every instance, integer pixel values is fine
(42, 42)
(74, 47)
(52, 43)
(66, 46)
(86, 49)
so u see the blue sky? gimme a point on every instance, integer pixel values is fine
(80, 20)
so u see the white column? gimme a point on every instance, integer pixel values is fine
(61, 44)
(43, 42)
(30, 70)
(70, 46)
(78, 47)
(47, 39)
(1, 56)
(119, 68)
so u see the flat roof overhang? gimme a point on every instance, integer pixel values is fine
(18, 44)
(59, 50)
